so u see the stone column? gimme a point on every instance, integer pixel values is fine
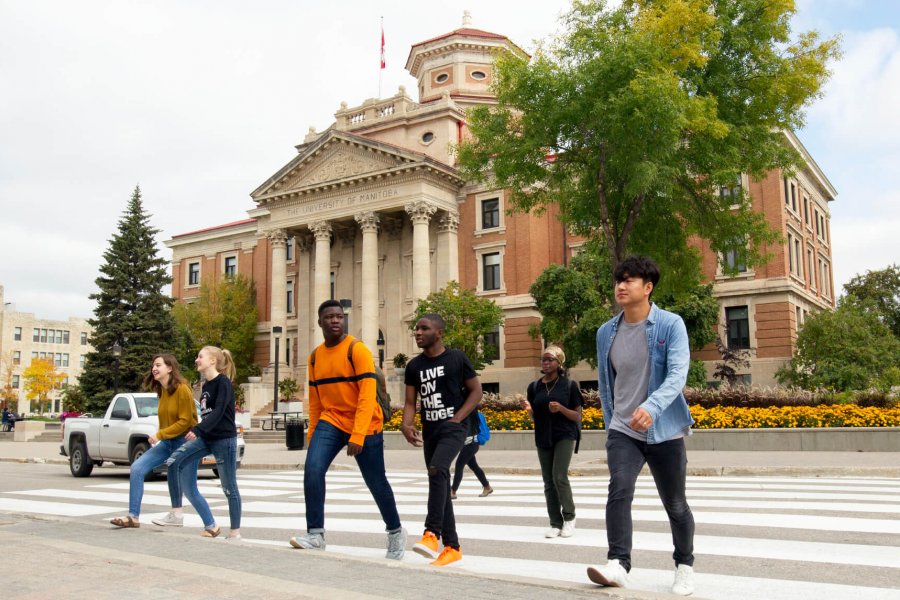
(420, 212)
(322, 289)
(278, 310)
(448, 249)
(368, 223)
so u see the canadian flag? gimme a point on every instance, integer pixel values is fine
(382, 47)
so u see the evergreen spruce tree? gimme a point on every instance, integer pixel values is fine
(131, 309)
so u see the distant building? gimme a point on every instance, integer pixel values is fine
(373, 212)
(24, 337)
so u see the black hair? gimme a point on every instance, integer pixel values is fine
(435, 318)
(328, 304)
(637, 266)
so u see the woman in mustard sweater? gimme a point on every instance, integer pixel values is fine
(177, 415)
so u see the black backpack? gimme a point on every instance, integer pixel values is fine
(381, 393)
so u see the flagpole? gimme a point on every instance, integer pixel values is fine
(381, 68)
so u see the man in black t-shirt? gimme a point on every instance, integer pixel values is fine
(450, 391)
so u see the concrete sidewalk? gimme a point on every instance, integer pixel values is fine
(586, 462)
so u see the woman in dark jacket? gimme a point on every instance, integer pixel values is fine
(554, 402)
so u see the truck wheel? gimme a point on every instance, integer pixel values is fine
(138, 451)
(79, 462)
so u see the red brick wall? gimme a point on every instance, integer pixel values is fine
(520, 349)
(775, 332)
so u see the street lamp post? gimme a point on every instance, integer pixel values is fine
(117, 353)
(276, 331)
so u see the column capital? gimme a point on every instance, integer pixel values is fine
(277, 237)
(368, 221)
(420, 211)
(449, 222)
(321, 230)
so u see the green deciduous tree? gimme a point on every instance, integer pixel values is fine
(224, 315)
(879, 292)
(131, 309)
(845, 349)
(574, 303)
(636, 117)
(468, 318)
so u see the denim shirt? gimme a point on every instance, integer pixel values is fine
(670, 358)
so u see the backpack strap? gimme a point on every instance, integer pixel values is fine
(350, 355)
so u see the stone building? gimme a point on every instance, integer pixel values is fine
(24, 337)
(372, 211)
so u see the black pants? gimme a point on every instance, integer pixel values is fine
(441, 446)
(467, 457)
(668, 464)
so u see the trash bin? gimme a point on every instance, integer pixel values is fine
(294, 434)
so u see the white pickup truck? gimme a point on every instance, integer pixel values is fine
(120, 436)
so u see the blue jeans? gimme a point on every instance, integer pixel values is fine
(184, 465)
(327, 440)
(148, 461)
(625, 457)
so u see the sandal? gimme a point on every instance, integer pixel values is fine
(128, 522)
(211, 533)
(486, 492)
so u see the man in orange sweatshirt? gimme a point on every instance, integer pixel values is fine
(343, 411)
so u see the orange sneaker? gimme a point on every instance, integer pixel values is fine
(449, 555)
(427, 546)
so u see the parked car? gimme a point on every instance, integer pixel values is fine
(120, 436)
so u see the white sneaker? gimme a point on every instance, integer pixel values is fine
(310, 541)
(170, 520)
(612, 574)
(396, 544)
(684, 581)
(552, 532)
(568, 528)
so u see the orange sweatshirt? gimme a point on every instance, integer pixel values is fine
(177, 413)
(341, 394)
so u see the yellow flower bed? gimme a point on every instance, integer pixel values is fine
(717, 417)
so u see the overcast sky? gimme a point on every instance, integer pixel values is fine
(199, 102)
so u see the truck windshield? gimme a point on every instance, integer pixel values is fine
(147, 406)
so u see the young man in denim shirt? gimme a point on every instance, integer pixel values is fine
(643, 359)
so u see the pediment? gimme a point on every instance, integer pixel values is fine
(336, 159)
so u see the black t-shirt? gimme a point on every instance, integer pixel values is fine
(441, 385)
(549, 427)
(216, 410)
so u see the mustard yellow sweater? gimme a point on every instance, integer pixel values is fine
(177, 413)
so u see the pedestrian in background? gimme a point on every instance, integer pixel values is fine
(466, 458)
(555, 403)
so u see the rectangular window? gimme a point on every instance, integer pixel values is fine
(733, 262)
(58, 361)
(84, 338)
(793, 197)
(290, 248)
(230, 266)
(806, 210)
(492, 346)
(490, 388)
(287, 351)
(332, 285)
(36, 337)
(65, 337)
(798, 258)
(17, 357)
(790, 253)
(731, 193)
(43, 355)
(490, 213)
(491, 271)
(59, 336)
(81, 361)
(194, 273)
(290, 296)
(15, 382)
(17, 336)
(818, 222)
(65, 360)
(787, 198)
(799, 316)
(43, 335)
(738, 327)
(34, 355)
(811, 267)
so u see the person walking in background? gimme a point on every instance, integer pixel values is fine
(555, 402)
(176, 417)
(438, 377)
(467, 458)
(643, 359)
(343, 411)
(215, 434)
